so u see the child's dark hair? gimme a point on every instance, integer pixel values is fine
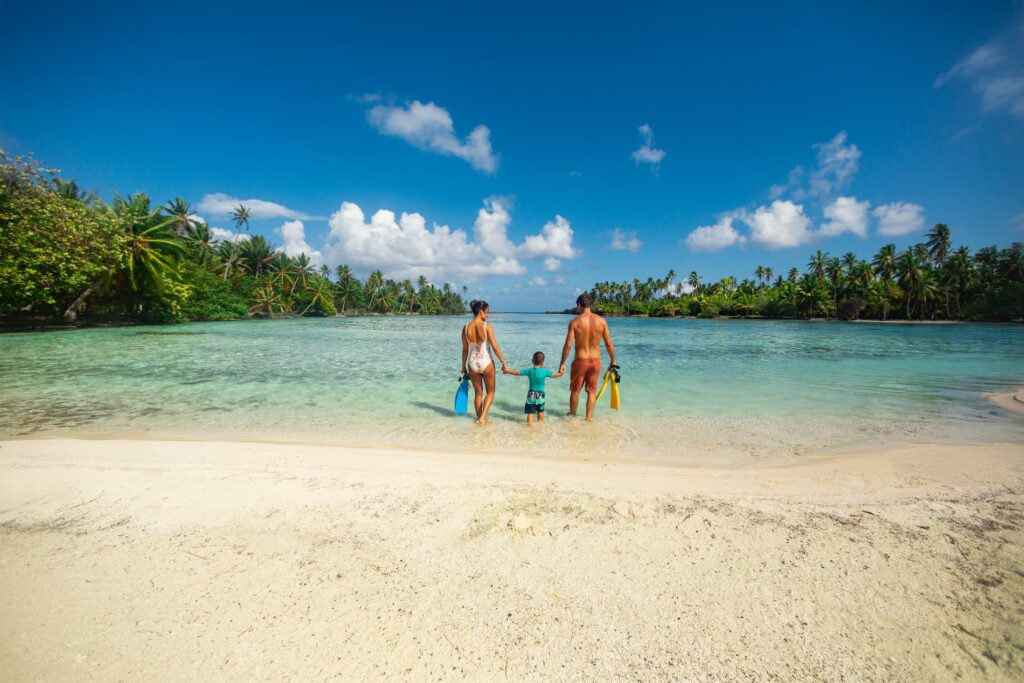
(476, 306)
(538, 358)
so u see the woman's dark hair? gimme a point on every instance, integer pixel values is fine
(476, 306)
(538, 358)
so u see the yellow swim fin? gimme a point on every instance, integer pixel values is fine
(604, 385)
(611, 377)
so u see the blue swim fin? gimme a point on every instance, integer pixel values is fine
(462, 397)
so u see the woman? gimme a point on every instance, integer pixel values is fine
(477, 342)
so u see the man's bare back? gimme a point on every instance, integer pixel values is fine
(586, 332)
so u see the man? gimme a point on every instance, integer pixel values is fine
(586, 330)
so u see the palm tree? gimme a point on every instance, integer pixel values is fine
(375, 290)
(1011, 262)
(408, 294)
(255, 254)
(959, 274)
(768, 274)
(793, 275)
(885, 267)
(302, 270)
(266, 300)
(321, 294)
(834, 269)
(348, 292)
(240, 216)
(694, 281)
(909, 272)
(182, 211)
(342, 272)
(151, 252)
(151, 248)
(817, 264)
(759, 273)
(939, 243)
(199, 241)
(68, 189)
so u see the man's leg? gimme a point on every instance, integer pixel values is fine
(574, 401)
(591, 402)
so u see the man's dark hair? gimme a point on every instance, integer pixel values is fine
(585, 300)
(538, 358)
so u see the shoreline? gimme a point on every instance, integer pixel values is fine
(165, 559)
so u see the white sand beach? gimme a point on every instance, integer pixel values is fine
(163, 560)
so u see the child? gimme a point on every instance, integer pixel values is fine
(535, 396)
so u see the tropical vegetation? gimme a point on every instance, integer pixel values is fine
(927, 281)
(67, 254)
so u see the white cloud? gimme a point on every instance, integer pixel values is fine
(430, 127)
(984, 57)
(837, 163)
(294, 235)
(220, 204)
(782, 224)
(404, 247)
(554, 240)
(846, 214)
(491, 232)
(537, 281)
(560, 281)
(625, 241)
(648, 153)
(1018, 220)
(551, 264)
(899, 218)
(575, 174)
(222, 235)
(1002, 91)
(715, 237)
(491, 228)
(995, 71)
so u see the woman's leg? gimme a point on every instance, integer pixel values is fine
(489, 383)
(477, 378)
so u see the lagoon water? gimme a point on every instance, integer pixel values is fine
(692, 390)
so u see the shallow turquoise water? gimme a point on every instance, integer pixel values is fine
(697, 388)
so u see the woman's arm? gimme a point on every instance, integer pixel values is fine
(465, 351)
(497, 349)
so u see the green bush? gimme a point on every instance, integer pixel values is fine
(212, 297)
(1002, 304)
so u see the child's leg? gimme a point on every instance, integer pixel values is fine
(540, 415)
(529, 419)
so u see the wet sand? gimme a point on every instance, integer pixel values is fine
(160, 560)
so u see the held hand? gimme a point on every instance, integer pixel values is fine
(561, 369)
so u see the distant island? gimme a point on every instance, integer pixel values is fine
(926, 281)
(68, 257)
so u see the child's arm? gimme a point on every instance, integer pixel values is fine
(510, 372)
(558, 374)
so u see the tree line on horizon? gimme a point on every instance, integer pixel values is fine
(926, 281)
(66, 254)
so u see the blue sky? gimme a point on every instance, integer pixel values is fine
(689, 137)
